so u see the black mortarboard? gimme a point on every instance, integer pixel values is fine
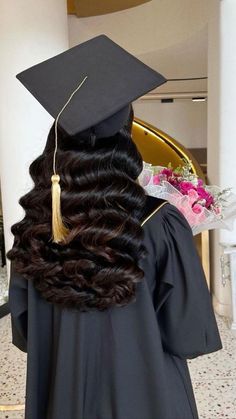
(90, 86)
(115, 78)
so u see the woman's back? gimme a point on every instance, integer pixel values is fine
(125, 362)
(107, 292)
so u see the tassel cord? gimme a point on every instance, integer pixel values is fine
(59, 230)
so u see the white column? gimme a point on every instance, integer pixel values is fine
(222, 127)
(30, 31)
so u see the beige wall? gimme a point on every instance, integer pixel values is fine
(154, 25)
(183, 119)
(170, 36)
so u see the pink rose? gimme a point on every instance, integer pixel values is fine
(193, 196)
(203, 194)
(167, 172)
(198, 209)
(174, 182)
(185, 187)
(156, 180)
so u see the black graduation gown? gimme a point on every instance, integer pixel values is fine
(123, 363)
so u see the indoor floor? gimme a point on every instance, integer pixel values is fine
(213, 376)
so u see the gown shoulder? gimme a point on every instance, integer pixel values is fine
(182, 300)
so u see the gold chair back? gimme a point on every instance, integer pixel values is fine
(158, 148)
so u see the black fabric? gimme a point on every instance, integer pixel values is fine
(123, 363)
(151, 205)
(115, 79)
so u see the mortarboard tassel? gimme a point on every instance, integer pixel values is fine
(59, 230)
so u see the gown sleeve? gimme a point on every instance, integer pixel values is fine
(18, 304)
(182, 300)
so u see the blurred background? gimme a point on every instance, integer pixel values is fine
(192, 43)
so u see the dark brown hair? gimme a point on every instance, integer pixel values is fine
(97, 266)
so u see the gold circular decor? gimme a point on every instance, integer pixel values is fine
(159, 148)
(86, 8)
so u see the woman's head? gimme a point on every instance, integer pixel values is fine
(97, 265)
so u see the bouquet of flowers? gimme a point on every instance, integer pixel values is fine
(205, 207)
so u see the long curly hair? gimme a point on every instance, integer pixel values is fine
(96, 267)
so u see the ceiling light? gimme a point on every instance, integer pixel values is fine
(198, 99)
(167, 100)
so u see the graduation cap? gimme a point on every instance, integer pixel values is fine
(89, 86)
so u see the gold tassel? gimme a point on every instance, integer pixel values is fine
(59, 230)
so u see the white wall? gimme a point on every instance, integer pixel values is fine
(222, 129)
(30, 32)
(184, 120)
